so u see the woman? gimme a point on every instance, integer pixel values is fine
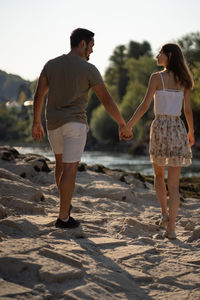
(170, 145)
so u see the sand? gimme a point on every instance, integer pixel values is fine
(118, 252)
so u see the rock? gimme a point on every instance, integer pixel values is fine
(21, 206)
(39, 164)
(5, 174)
(135, 182)
(14, 187)
(88, 291)
(58, 272)
(195, 235)
(4, 211)
(124, 253)
(12, 226)
(62, 257)
(189, 226)
(10, 289)
(82, 167)
(18, 270)
(97, 168)
(8, 153)
(44, 178)
(102, 186)
(107, 242)
(37, 196)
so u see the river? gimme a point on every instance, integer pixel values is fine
(114, 160)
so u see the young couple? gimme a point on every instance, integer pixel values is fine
(67, 80)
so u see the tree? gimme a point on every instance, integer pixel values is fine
(13, 127)
(103, 128)
(136, 49)
(132, 99)
(141, 69)
(93, 103)
(195, 99)
(116, 74)
(190, 45)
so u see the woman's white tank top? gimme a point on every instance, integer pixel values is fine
(168, 101)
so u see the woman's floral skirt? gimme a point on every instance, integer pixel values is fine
(169, 145)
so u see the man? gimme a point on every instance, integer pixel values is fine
(67, 79)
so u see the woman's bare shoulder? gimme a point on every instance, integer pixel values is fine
(155, 77)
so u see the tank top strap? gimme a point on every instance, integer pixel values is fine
(162, 81)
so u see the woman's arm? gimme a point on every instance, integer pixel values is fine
(144, 106)
(189, 116)
(111, 107)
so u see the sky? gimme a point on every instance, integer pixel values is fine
(34, 31)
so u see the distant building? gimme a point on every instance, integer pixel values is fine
(15, 104)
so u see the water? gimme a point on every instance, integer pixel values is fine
(121, 161)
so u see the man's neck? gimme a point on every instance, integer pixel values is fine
(76, 52)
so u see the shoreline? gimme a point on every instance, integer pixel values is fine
(115, 160)
(128, 147)
(189, 186)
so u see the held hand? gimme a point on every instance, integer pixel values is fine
(125, 133)
(191, 138)
(37, 131)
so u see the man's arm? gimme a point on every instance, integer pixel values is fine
(41, 91)
(105, 98)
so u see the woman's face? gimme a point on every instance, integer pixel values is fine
(162, 59)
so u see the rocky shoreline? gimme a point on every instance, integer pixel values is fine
(117, 253)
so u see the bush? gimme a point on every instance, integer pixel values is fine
(103, 128)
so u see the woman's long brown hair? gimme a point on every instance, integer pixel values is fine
(177, 64)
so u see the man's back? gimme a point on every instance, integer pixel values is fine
(69, 77)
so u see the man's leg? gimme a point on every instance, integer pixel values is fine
(73, 142)
(58, 169)
(66, 188)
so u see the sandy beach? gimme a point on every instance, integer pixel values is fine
(118, 252)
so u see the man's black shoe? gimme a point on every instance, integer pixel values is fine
(71, 223)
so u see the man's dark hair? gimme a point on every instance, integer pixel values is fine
(80, 34)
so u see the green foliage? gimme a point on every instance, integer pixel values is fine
(103, 128)
(141, 69)
(117, 74)
(93, 103)
(14, 124)
(136, 49)
(195, 95)
(131, 100)
(195, 98)
(190, 45)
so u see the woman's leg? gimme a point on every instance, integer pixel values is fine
(174, 197)
(160, 187)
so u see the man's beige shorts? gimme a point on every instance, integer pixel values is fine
(69, 140)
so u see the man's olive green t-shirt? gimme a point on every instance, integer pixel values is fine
(69, 77)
